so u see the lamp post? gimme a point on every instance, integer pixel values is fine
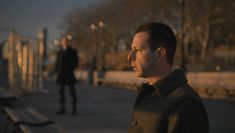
(94, 57)
(182, 34)
(92, 66)
(103, 51)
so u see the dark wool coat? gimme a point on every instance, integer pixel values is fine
(66, 62)
(169, 106)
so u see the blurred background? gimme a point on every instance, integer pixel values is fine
(102, 32)
(204, 28)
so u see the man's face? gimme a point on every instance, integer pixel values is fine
(64, 42)
(143, 59)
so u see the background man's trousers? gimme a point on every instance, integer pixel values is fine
(63, 99)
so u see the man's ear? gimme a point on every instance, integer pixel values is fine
(161, 52)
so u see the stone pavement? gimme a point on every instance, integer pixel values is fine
(108, 110)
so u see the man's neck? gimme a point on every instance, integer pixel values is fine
(153, 79)
(64, 48)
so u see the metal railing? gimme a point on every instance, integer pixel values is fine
(25, 62)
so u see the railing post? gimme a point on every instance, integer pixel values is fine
(42, 55)
(12, 61)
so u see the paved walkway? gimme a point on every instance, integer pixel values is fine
(100, 109)
(108, 110)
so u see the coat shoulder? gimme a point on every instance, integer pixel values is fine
(184, 90)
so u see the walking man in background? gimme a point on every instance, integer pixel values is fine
(66, 62)
(166, 104)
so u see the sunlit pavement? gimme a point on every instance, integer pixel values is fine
(108, 110)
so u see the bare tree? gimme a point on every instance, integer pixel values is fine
(202, 26)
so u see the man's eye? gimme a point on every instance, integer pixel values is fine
(137, 50)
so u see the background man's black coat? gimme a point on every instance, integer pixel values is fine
(66, 62)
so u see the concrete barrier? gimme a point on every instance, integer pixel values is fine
(207, 84)
(213, 84)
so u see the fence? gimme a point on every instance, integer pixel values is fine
(25, 62)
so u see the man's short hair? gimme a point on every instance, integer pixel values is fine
(160, 35)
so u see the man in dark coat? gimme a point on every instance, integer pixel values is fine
(166, 104)
(66, 63)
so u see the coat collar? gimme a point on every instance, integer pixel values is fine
(167, 84)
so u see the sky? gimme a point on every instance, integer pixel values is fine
(27, 16)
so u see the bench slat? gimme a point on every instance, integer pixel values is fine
(27, 117)
(46, 129)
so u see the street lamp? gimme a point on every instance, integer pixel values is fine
(55, 42)
(69, 37)
(102, 43)
(94, 27)
(101, 24)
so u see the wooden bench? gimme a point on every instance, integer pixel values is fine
(30, 121)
